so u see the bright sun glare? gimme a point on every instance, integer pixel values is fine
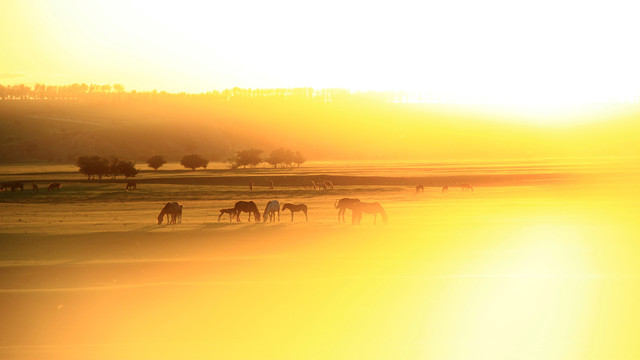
(483, 52)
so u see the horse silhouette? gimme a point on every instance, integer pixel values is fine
(131, 185)
(54, 186)
(466, 187)
(272, 208)
(367, 208)
(173, 210)
(34, 188)
(12, 185)
(445, 188)
(295, 208)
(420, 188)
(343, 204)
(247, 206)
(231, 212)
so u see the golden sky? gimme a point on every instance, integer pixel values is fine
(496, 50)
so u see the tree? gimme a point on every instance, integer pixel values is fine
(92, 166)
(194, 161)
(283, 157)
(156, 162)
(298, 158)
(250, 157)
(122, 167)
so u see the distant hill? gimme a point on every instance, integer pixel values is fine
(176, 125)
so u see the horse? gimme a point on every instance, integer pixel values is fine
(250, 185)
(271, 184)
(321, 185)
(466, 187)
(173, 210)
(445, 188)
(343, 204)
(12, 185)
(420, 188)
(131, 185)
(54, 186)
(295, 208)
(34, 187)
(367, 208)
(272, 208)
(247, 206)
(328, 184)
(231, 212)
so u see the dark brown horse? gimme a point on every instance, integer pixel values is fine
(420, 188)
(295, 208)
(466, 187)
(232, 213)
(54, 186)
(34, 187)
(12, 185)
(343, 204)
(247, 206)
(173, 210)
(131, 185)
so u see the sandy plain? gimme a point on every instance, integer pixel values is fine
(539, 262)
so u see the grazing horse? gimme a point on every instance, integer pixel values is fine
(54, 186)
(343, 204)
(231, 212)
(466, 187)
(271, 184)
(34, 187)
(247, 206)
(295, 208)
(272, 208)
(13, 185)
(173, 210)
(328, 184)
(445, 188)
(420, 188)
(367, 208)
(131, 185)
(250, 185)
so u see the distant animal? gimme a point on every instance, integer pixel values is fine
(420, 188)
(309, 183)
(445, 188)
(34, 188)
(247, 206)
(250, 185)
(131, 185)
(54, 186)
(231, 212)
(343, 204)
(272, 208)
(271, 184)
(466, 187)
(295, 208)
(12, 185)
(321, 185)
(328, 184)
(367, 208)
(173, 210)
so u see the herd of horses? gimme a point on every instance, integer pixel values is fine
(271, 212)
(17, 185)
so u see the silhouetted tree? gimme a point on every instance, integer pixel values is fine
(93, 166)
(156, 162)
(250, 157)
(194, 161)
(298, 158)
(122, 167)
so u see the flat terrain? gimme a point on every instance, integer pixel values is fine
(539, 262)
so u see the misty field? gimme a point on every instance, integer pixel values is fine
(540, 261)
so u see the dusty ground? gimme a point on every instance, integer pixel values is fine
(545, 269)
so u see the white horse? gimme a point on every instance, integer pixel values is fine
(271, 209)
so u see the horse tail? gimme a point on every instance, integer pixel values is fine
(383, 214)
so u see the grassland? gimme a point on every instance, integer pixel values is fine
(535, 263)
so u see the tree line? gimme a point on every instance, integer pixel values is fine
(93, 166)
(281, 157)
(107, 92)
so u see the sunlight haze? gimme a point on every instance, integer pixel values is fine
(489, 51)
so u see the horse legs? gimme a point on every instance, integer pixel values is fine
(305, 215)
